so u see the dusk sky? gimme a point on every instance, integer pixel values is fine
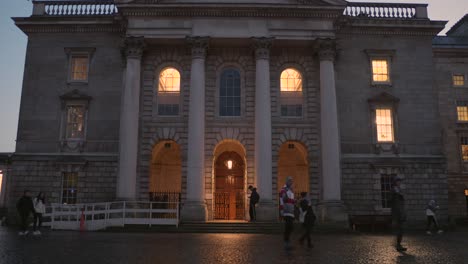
(13, 48)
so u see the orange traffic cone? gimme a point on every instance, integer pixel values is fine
(82, 220)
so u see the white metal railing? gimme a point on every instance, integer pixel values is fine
(99, 216)
(386, 10)
(75, 8)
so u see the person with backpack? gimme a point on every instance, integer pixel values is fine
(287, 203)
(39, 208)
(25, 207)
(254, 198)
(431, 210)
(307, 219)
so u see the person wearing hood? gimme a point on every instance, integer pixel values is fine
(25, 207)
(431, 215)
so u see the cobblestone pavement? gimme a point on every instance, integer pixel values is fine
(89, 248)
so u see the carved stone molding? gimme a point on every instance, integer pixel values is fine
(199, 46)
(134, 47)
(327, 49)
(262, 47)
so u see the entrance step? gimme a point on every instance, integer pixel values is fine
(210, 227)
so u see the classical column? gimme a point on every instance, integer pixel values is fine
(129, 116)
(266, 209)
(194, 208)
(331, 207)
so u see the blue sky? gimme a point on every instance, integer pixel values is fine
(13, 48)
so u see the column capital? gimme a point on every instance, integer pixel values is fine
(199, 46)
(134, 47)
(262, 47)
(327, 49)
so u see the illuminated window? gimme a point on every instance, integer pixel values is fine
(1, 181)
(462, 113)
(386, 189)
(380, 71)
(69, 187)
(384, 123)
(291, 93)
(464, 148)
(230, 93)
(79, 68)
(75, 122)
(458, 80)
(169, 92)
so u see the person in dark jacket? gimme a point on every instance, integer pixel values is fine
(398, 212)
(254, 198)
(25, 207)
(287, 204)
(308, 219)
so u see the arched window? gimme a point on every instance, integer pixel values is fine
(169, 92)
(230, 93)
(291, 93)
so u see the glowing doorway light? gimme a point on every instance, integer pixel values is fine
(229, 164)
(466, 192)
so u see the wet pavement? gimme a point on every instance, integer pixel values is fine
(155, 248)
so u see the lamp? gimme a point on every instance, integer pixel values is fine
(466, 192)
(229, 164)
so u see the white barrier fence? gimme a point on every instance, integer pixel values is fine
(98, 216)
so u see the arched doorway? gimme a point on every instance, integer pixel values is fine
(229, 177)
(165, 172)
(293, 162)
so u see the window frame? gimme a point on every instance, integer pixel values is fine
(461, 104)
(67, 107)
(384, 101)
(460, 142)
(155, 88)
(387, 55)
(71, 52)
(73, 98)
(220, 70)
(62, 189)
(298, 69)
(218, 93)
(378, 171)
(391, 124)
(452, 81)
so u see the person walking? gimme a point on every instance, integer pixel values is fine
(39, 208)
(254, 198)
(287, 210)
(431, 210)
(398, 212)
(307, 218)
(25, 207)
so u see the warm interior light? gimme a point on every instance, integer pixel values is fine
(1, 179)
(466, 192)
(229, 164)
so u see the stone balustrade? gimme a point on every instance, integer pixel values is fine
(386, 10)
(74, 8)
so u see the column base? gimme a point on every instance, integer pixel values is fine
(332, 214)
(193, 211)
(267, 211)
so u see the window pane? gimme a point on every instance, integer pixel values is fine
(380, 70)
(75, 122)
(169, 92)
(79, 67)
(462, 113)
(291, 81)
(386, 189)
(458, 80)
(69, 187)
(384, 125)
(229, 96)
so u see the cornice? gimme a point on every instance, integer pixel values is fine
(64, 25)
(190, 11)
(406, 27)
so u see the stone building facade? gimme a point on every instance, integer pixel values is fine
(133, 99)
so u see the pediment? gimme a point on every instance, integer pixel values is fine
(384, 97)
(75, 95)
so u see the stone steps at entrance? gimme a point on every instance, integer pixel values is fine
(210, 227)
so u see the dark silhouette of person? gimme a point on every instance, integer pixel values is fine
(398, 212)
(254, 198)
(25, 207)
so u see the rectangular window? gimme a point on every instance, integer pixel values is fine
(464, 148)
(291, 104)
(1, 181)
(168, 103)
(79, 68)
(458, 80)
(384, 123)
(380, 71)
(462, 113)
(75, 122)
(69, 185)
(386, 189)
